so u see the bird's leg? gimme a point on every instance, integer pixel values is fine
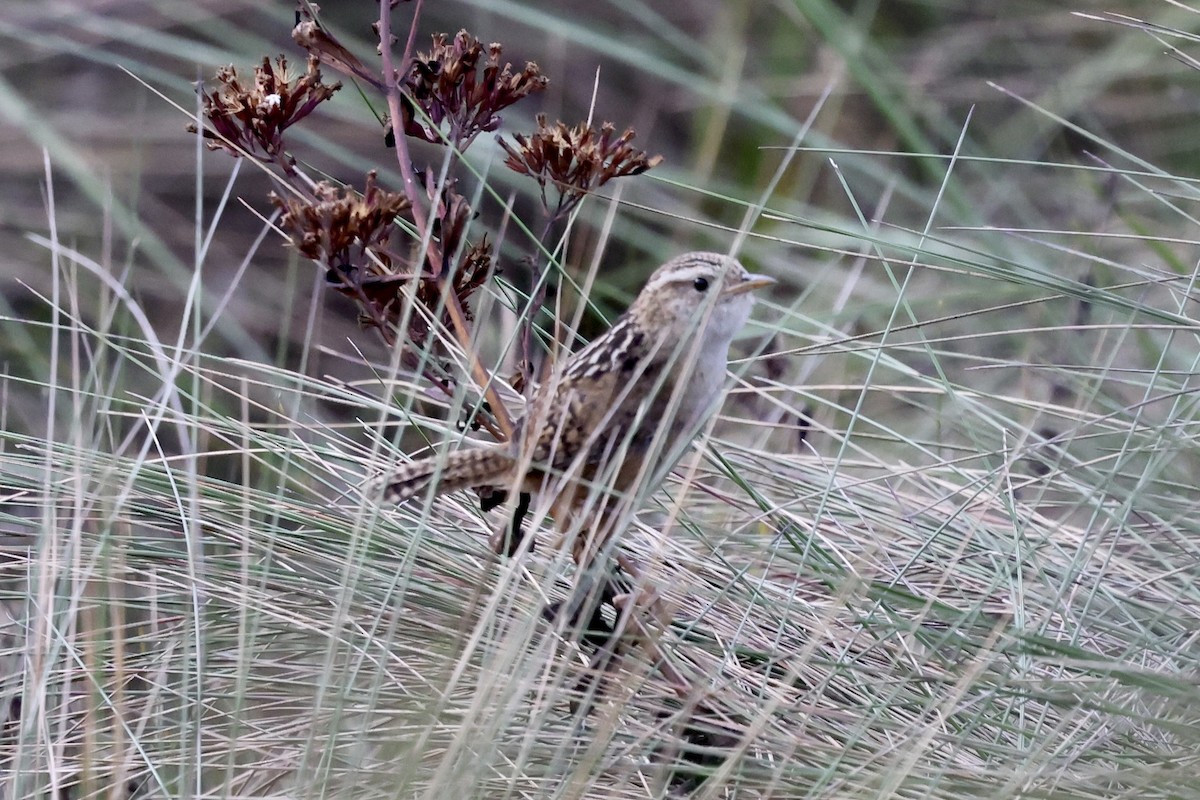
(612, 642)
(586, 602)
(597, 584)
(592, 546)
(643, 597)
(583, 614)
(506, 542)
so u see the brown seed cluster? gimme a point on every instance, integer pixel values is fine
(454, 84)
(340, 225)
(454, 264)
(252, 118)
(354, 236)
(452, 215)
(574, 160)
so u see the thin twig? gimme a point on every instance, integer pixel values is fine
(536, 300)
(433, 255)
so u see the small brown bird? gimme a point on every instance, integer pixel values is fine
(618, 410)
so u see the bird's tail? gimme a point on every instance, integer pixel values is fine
(489, 465)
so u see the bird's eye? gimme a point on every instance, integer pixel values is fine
(701, 284)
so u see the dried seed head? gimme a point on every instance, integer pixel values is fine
(454, 84)
(353, 235)
(575, 160)
(340, 225)
(463, 281)
(322, 44)
(251, 119)
(463, 267)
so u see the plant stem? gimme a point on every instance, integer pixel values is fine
(433, 255)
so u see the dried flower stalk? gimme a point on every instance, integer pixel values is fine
(574, 160)
(454, 85)
(251, 119)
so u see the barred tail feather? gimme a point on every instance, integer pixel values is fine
(409, 479)
(463, 469)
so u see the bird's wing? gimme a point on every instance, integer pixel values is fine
(598, 389)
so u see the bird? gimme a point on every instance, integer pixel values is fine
(615, 412)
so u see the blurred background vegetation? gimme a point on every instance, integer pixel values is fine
(960, 558)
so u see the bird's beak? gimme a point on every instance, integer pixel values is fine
(749, 285)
